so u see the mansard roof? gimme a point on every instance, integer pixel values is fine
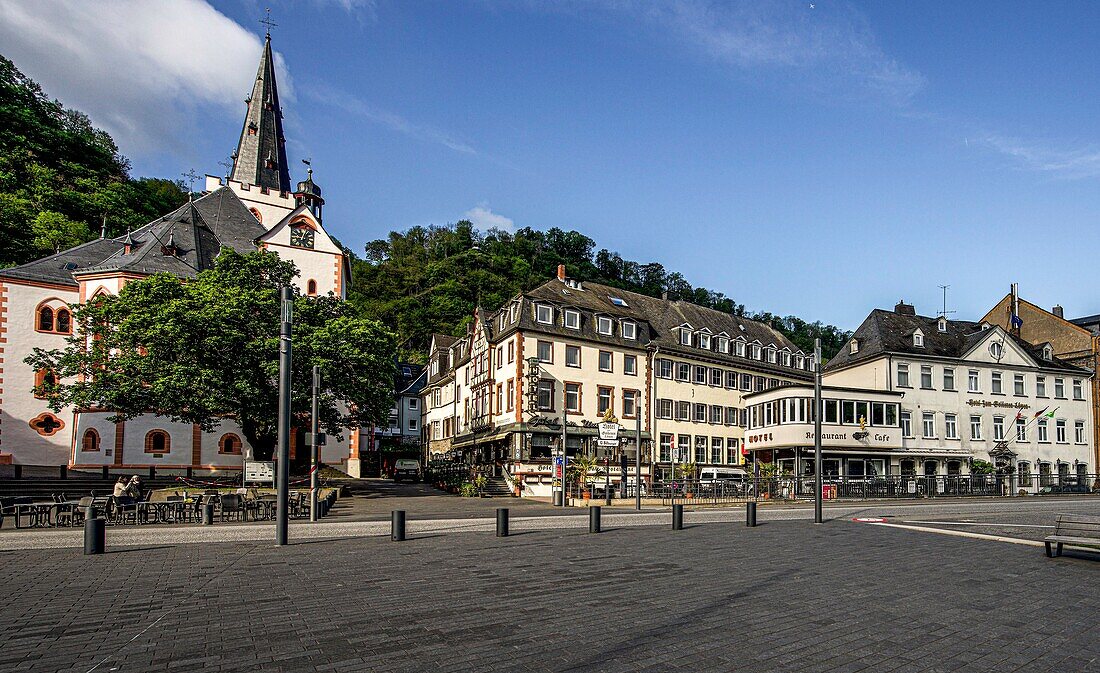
(889, 332)
(260, 158)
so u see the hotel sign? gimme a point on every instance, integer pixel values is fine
(802, 435)
(997, 404)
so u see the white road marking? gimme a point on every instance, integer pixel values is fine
(975, 523)
(959, 533)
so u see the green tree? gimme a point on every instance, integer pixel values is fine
(205, 349)
(53, 232)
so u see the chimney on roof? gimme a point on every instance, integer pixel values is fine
(561, 272)
(1057, 310)
(901, 308)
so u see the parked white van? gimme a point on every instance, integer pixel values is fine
(710, 475)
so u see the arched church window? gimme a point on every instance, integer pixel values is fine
(157, 441)
(43, 377)
(257, 215)
(90, 441)
(64, 322)
(45, 319)
(230, 443)
(311, 288)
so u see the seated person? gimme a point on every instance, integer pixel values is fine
(133, 489)
(122, 492)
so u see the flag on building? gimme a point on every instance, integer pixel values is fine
(1040, 412)
(1016, 321)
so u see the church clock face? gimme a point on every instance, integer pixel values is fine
(301, 237)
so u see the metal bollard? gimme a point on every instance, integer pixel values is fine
(397, 525)
(557, 499)
(94, 536)
(594, 519)
(208, 514)
(677, 517)
(750, 514)
(502, 522)
(106, 472)
(607, 496)
(64, 472)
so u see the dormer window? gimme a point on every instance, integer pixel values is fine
(918, 339)
(630, 329)
(572, 319)
(544, 314)
(941, 325)
(500, 321)
(756, 351)
(604, 325)
(685, 336)
(800, 362)
(786, 359)
(512, 313)
(853, 346)
(739, 349)
(771, 355)
(704, 341)
(723, 345)
(1048, 352)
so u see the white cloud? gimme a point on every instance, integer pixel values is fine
(139, 69)
(357, 106)
(484, 219)
(1071, 164)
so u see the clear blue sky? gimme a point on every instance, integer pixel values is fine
(818, 160)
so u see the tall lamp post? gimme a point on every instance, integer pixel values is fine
(283, 473)
(817, 431)
(315, 445)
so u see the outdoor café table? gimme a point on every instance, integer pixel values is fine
(265, 507)
(69, 507)
(38, 512)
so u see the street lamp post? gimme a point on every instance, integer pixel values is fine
(283, 473)
(315, 448)
(817, 431)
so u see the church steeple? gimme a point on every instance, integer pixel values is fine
(260, 158)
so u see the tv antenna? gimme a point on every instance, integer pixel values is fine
(944, 313)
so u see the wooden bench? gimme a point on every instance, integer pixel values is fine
(1075, 530)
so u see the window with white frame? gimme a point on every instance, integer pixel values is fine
(1078, 390)
(604, 399)
(545, 351)
(683, 411)
(928, 423)
(716, 414)
(700, 374)
(950, 426)
(948, 378)
(1059, 389)
(786, 359)
(739, 349)
(853, 346)
(926, 377)
(1060, 430)
(995, 383)
(666, 448)
(664, 368)
(903, 375)
(699, 413)
(685, 336)
(906, 423)
(1048, 352)
(972, 383)
(918, 339)
(573, 397)
(630, 403)
(1018, 385)
(746, 382)
(998, 428)
(996, 349)
(716, 376)
(629, 329)
(756, 352)
(1079, 432)
(544, 314)
(1021, 429)
(630, 365)
(572, 356)
(664, 409)
(572, 319)
(771, 355)
(604, 324)
(1040, 386)
(683, 371)
(1042, 430)
(605, 361)
(723, 345)
(704, 341)
(975, 427)
(731, 380)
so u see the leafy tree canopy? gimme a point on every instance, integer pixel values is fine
(430, 279)
(52, 160)
(204, 349)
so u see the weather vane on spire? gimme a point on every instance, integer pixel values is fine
(191, 177)
(227, 164)
(309, 166)
(267, 22)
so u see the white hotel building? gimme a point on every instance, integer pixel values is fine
(575, 350)
(915, 395)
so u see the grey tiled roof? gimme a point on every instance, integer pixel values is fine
(657, 320)
(891, 332)
(59, 268)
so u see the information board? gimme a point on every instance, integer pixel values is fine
(259, 471)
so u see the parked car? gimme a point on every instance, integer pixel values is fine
(406, 468)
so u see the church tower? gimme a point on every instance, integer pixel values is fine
(260, 158)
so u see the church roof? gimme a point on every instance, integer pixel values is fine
(260, 158)
(187, 240)
(58, 269)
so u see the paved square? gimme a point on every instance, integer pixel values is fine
(786, 596)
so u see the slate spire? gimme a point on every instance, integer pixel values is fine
(260, 158)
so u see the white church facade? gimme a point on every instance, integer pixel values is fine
(255, 207)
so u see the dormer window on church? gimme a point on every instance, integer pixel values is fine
(301, 236)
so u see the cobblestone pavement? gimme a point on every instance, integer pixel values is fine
(785, 596)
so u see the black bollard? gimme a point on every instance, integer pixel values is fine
(677, 517)
(557, 499)
(208, 514)
(397, 527)
(607, 496)
(750, 514)
(94, 536)
(502, 522)
(594, 519)
(64, 472)
(106, 472)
